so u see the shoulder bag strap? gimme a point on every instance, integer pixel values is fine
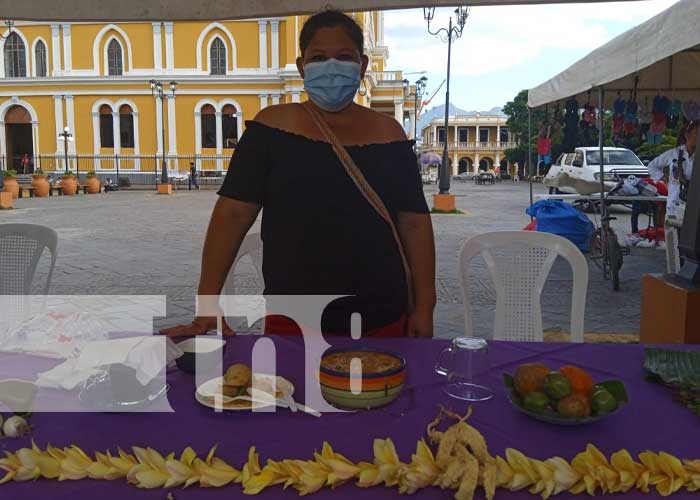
(365, 189)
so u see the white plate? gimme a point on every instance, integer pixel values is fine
(213, 386)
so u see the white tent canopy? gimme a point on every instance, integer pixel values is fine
(660, 56)
(177, 10)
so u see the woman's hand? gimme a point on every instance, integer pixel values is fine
(420, 324)
(199, 326)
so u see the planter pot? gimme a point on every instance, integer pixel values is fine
(41, 186)
(6, 200)
(165, 189)
(10, 185)
(93, 185)
(70, 186)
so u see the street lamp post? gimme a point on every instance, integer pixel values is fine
(67, 137)
(421, 83)
(452, 31)
(159, 93)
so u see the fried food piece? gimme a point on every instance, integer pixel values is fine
(467, 486)
(238, 375)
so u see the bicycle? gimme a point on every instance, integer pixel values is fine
(606, 252)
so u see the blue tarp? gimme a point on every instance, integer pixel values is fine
(556, 217)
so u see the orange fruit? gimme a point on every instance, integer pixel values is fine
(581, 380)
(574, 406)
(530, 378)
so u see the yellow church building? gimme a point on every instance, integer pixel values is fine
(90, 82)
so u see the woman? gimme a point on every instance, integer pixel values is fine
(677, 165)
(320, 234)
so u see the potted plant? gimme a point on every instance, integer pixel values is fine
(92, 183)
(69, 183)
(9, 183)
(40, 183)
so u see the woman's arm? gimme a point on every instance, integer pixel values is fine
(416, 232)
(229, 223)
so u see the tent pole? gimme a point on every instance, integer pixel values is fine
(529, 152)
(601, 145)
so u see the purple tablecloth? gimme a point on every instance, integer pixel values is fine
(651, 421)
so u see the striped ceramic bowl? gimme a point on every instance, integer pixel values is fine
(383, 377)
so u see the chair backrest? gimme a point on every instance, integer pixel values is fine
(21, 247)
(519, 263)
(250, 247)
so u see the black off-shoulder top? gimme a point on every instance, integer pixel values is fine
(320, 236)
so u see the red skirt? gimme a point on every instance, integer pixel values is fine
(282, 325)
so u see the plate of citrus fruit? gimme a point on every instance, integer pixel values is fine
(568, 396)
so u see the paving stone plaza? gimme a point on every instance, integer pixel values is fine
(136, 242)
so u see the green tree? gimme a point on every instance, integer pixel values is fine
(516, 111)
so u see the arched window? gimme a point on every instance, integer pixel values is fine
(208, 117)
(217, 57)
(229, 124)
(114, 58)
(15, 56)
(126, 126)
(106, 127)
(41, 68)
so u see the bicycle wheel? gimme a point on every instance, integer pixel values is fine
(596, 246)
(614, 260)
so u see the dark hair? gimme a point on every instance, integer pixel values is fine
(330, 19)
(686, 130)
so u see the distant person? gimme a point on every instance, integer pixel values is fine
(109, 185)
(677, 164)
(26, 162)
(192, 179)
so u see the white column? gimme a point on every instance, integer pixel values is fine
(263, 101)
(58, 114)
(198, 132)
(398, 110)
(478, 136)
(275, 99)
(67, 52)
(455, 165)
(137, 142)
(55, 50)
(412, 124)
(172, 128)
(95, 132)
(159, 126)
(169, 47)
(434, 138)
(262, 29)
(497, 164)
(115, 132)
(70, 122)
(498, 136)
(157, 47)
(35, 138)
(275, 31)
(476, 162)
(296, 96)
(219, 134)
(3, 145)
(219, 140)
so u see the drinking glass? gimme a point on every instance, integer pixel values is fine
(465, 363)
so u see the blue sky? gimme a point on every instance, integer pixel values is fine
(506, 49)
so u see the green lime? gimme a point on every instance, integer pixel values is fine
(603, 402)
(557, 386)
(536, 401)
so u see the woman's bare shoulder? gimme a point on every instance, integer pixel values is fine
(282, 116)
(384, 128)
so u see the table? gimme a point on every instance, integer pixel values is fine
(28, 189)
(651, 421)
(587, 197)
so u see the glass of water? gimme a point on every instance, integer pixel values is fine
(465, 363)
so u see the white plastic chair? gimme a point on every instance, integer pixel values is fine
(21, 247)
(251, 247)
(519, 263)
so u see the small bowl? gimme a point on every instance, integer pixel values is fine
(202, 351)
(378, 388)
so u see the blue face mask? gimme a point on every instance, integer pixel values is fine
(332, 84)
